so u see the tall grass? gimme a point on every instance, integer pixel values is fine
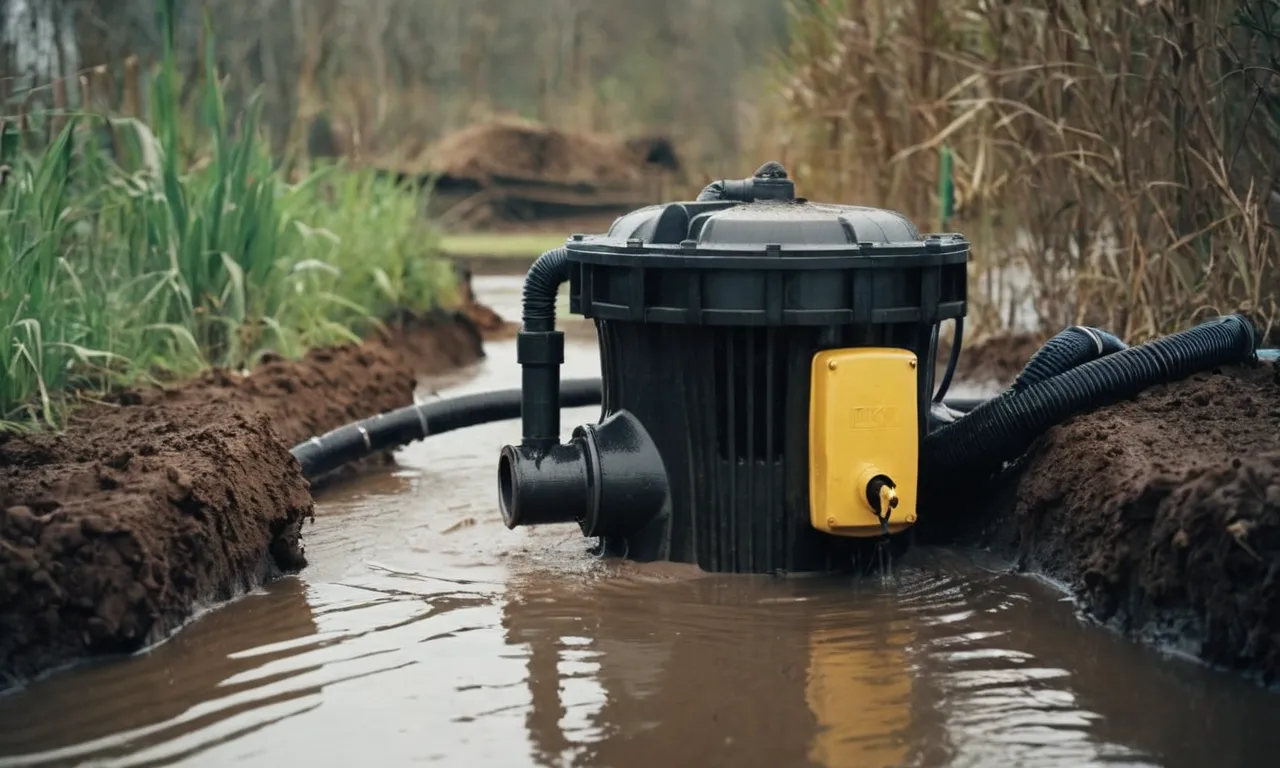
(1114, 161)
(134, 248)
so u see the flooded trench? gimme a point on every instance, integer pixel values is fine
(426, 632)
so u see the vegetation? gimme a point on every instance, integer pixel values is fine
(1114, 162)
(141, 247)
(389, 76)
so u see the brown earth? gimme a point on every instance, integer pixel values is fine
(1161, 514)
(160, 501)
(515, 149)
(509, 169)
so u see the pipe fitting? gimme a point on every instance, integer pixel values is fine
(538, 486)
(609, 479)
(769, 182)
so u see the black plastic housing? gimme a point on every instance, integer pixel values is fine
(709, 314)
(609, 479)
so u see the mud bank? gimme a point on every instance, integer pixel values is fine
(160, 501)
(1162, 514)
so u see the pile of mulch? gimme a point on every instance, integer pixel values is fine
(159, 501)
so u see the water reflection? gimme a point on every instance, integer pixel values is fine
(189, 683)
(722, 670)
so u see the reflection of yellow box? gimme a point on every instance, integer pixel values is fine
(863, 423)
(859, 690)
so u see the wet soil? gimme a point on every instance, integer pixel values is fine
(1162, 514)
(156, 501)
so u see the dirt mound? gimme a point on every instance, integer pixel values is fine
(112, 532)
(1163, 514)
(336, 385)
(162, 500)
(509, 170)
(515, 150)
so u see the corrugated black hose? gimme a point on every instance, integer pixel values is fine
(541, 286)
(1000, 430)
(1072, 347)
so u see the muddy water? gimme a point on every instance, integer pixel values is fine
(425, 632)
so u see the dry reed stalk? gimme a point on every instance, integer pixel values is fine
(1111, 159)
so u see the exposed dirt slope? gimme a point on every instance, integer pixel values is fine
(1162, 514)
(151, 505)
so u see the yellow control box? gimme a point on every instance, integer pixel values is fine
(863, 431)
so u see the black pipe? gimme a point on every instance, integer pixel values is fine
(1001, 429)
(540, 350)
(769, 182)
(345, 444)
(953, 360)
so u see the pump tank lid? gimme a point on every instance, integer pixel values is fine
(758, 212)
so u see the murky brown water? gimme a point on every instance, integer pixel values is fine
(424, 631)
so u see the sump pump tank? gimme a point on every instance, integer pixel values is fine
(767, 378)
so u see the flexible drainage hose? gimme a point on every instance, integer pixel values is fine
(1073, 347)
(345, 444)
(1001, 429)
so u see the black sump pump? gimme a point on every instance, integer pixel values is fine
(767, 369)
(767, 379)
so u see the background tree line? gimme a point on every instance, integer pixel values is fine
(391, 73)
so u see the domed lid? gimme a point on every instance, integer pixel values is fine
(759, 212)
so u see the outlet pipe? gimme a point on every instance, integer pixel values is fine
(540, 350)
(612, 465)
